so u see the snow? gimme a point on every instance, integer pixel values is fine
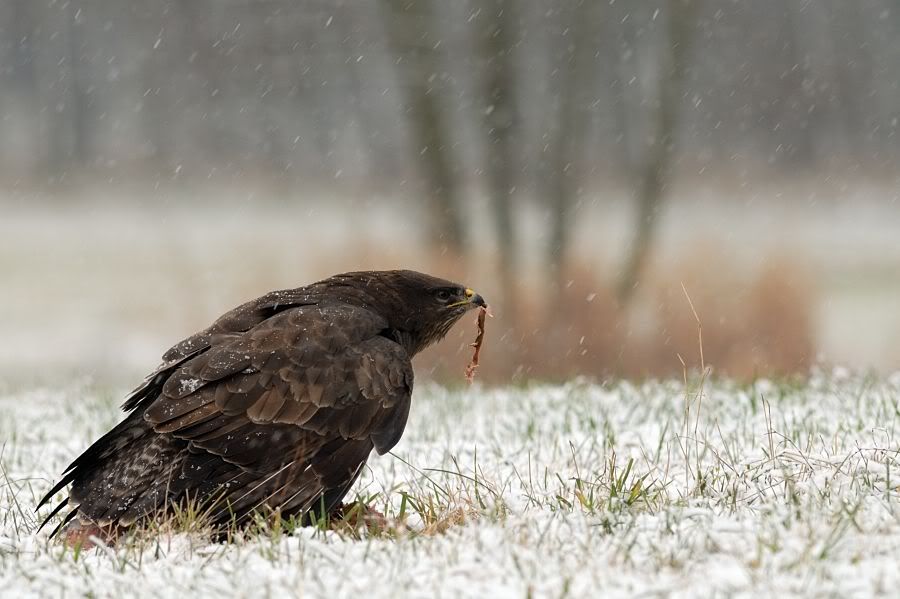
(188, 386)
(799, 498)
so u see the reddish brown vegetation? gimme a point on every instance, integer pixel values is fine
(754, 324)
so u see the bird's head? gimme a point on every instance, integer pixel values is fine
(419, 307)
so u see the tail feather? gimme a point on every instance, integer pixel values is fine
(55, 511)
(134, 472)
(122, 435)
(69, 517)
(56, 488)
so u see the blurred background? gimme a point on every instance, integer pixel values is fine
(585, 165)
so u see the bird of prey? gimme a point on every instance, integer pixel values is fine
(274, 408)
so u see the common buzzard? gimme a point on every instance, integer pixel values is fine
(274, 408)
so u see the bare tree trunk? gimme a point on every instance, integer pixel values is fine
(23, 48)
(351, 24)
(22, 76)
(158, 113)
(795, 100)
(854, 77)
(212, 136)
(271, 92)
(64, 123)
(311, 97)
(568, 142)
(80, 103)
(497, 39)
(657, 162)
(414, 40)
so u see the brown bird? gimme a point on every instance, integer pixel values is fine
(274, 408)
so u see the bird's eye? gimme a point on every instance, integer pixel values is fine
(442, 295)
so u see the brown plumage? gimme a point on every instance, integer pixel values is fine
(274, 408)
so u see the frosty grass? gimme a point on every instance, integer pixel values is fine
(613, 490)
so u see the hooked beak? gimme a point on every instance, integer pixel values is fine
(472, 299)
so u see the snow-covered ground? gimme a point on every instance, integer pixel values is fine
(769, 489)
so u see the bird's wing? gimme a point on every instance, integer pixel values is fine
(238, 320)
(323, 368)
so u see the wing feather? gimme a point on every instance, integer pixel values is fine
(325, 369)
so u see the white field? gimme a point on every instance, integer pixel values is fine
(767, 490)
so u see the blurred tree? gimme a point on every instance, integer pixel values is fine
(352, 26)
(414, 33)
(498, 37)
(61, 86)
(156, 104)
(567, 148)
(77, 84)
(20, 78)
(792, 109)
(854, 73)
(655, 168)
